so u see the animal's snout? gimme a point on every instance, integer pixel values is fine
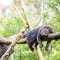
(44, 34)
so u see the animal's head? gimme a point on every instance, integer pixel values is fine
(45, 31)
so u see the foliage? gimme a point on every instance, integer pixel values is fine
(14, 23)
(23, 53)
(12, 26)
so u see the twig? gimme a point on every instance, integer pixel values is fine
(18, 13)
(38, 51)
(8, 41)
(25, 13)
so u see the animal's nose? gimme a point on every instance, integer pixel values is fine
(44, 34)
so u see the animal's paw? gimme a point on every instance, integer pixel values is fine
(46, 48)
(32, 49)
(41, 46)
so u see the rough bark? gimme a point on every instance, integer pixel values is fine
(7, 41)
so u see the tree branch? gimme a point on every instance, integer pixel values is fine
(54, 36)
(26, 15)
(7, 41)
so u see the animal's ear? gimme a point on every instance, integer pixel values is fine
(41, 28)
(51, 30)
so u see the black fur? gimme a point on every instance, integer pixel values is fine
(37, 35)
(3, 49)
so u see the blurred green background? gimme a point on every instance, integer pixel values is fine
(11, 23)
